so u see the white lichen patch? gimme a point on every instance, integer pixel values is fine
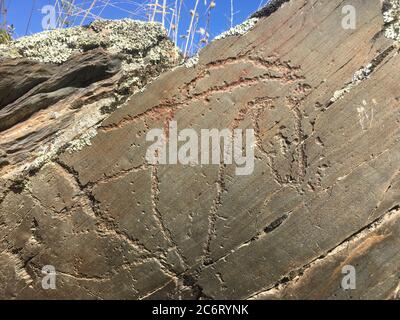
(240, 29)
(192, 62)
(7, 51)
(75, 137)
(362, 74)
(130, 37)
(391, 17)
(358, 77)
(83, 141)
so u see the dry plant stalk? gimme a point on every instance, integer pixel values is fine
(164, 12)
(231, 19)
(88, 11)
(3, 13)
(190, 30)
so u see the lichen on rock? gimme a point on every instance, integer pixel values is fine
(239, 30)
(192, 61)
(100, 65)
(359, 76)
(116, 36)
(391, 17)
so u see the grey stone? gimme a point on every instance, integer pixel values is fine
(323, 102)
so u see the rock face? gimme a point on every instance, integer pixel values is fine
(323, 102)
(65, 82)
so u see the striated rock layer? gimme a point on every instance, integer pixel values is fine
(325, 192)
(56, 86)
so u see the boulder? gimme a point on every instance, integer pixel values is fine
(323, 197)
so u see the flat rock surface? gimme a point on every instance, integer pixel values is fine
(325, 192)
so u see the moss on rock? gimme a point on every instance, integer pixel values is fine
(130, 37)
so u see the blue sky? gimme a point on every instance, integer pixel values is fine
(26, 15)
